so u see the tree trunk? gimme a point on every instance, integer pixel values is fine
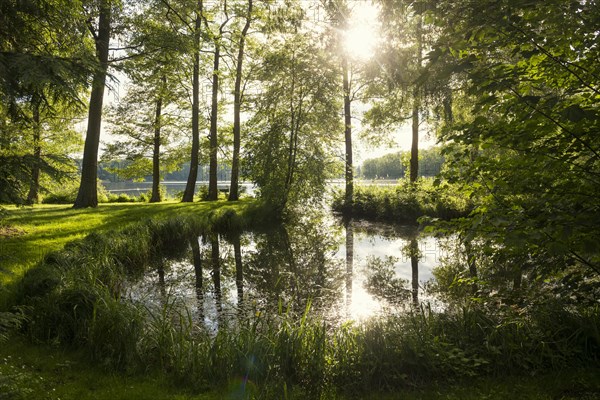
(34, 187)
(190, 187)
(213, 193)
(237, 102)
(88, 188)
(156, 151)
(414, 149)
(349, 195)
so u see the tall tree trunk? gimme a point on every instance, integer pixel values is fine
(34, 187)
(237, 102)
(414, 149)
(190, 187)
(88, 188)
(213, 193)
(155, 198)
(349, 195)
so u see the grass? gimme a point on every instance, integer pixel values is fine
(48, 228)
(42, 372)
(48, 373)
(405, 202)
(301, 360)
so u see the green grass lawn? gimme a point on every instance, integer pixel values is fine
(45, 228)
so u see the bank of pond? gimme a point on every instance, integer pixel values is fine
(319, 306)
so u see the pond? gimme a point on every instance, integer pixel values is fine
(341, 270)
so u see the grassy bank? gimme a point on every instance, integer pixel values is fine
(405, 202)
(73, 300)
(40, 372)
(41, 229)
(44, 371)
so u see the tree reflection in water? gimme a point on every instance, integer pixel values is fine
(349, 264)
(342, 269)
(197, 262)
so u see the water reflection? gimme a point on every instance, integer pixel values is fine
(197, 262)
(216, 272)
(341, 269)
(239, 269)
(349, 264)
(414, 263)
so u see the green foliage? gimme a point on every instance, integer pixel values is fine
(525, 135)
(392, 166)
(41, 81)
(288, 155)
(407, 202)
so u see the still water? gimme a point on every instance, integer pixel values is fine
(341, 270)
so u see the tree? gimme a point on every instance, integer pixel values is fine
(353, 78)
(237, 103)
(409, 88)
(190, 188)
(41, 80)
(526, 137)
(217, 39)
(87, 195)
(147, 132)
(289, 154)
(149, 116)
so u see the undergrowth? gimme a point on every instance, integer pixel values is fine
(405, 202)
(76, 298)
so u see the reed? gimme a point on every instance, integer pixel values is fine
(76, 297)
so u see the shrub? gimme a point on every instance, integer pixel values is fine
(406, 202)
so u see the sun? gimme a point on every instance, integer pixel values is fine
(361, 37)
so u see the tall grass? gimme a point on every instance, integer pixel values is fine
(405, 202)
(75, 297)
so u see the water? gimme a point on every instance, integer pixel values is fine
(342, 271)
(172, 188)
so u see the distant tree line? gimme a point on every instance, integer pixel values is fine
(395, 165)
(111, 171)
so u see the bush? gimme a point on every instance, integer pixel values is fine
(61, 196)
(406, 202)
